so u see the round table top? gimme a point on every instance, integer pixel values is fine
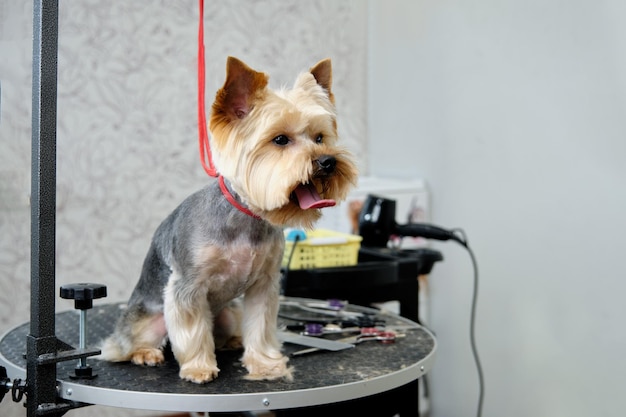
(322, 377)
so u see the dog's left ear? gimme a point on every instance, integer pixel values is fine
(323, 73)
(242, 87)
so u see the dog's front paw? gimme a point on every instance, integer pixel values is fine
(147, 356)
(268, 368)
(199, 375)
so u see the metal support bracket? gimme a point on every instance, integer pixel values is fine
(42, 346)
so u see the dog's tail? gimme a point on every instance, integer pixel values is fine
(112, 351)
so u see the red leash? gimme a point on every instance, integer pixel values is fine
(203, 138)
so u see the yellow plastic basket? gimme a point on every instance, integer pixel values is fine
(322, 249)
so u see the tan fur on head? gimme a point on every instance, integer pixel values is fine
(248, 116)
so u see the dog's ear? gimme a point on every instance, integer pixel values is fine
(323, 73)
(243, 84)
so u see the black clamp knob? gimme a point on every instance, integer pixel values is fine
(17, 386)
(5, 383)
(83, 295)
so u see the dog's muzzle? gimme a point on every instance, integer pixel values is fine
(306, 194)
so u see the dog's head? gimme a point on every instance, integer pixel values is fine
(278, 148)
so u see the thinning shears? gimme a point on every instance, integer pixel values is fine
(365, 334)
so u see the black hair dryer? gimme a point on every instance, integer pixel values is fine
(377, 223)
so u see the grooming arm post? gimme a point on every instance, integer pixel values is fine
(41, 389)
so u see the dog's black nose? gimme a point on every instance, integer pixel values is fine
(327, 163)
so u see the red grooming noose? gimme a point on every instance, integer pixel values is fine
(203, 138)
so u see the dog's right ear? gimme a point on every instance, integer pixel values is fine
(323, 73)
(242, 86)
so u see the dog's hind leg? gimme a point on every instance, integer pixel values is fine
(227, 327)
(139, 337)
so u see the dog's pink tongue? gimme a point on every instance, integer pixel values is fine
(309, 198)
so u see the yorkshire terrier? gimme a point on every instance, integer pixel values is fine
(279, 164)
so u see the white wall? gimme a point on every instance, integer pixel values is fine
(515, 113)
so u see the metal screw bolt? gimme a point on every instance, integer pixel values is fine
(69, 392)
(266, 402)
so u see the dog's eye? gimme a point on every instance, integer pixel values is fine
(281, 140)
(319, 138)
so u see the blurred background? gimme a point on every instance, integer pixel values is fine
(512, 112)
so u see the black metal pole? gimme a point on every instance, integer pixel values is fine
(41, 389)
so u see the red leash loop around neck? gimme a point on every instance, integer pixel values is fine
(203, 137)
(232, 200)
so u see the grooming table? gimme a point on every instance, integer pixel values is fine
(320, 378)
